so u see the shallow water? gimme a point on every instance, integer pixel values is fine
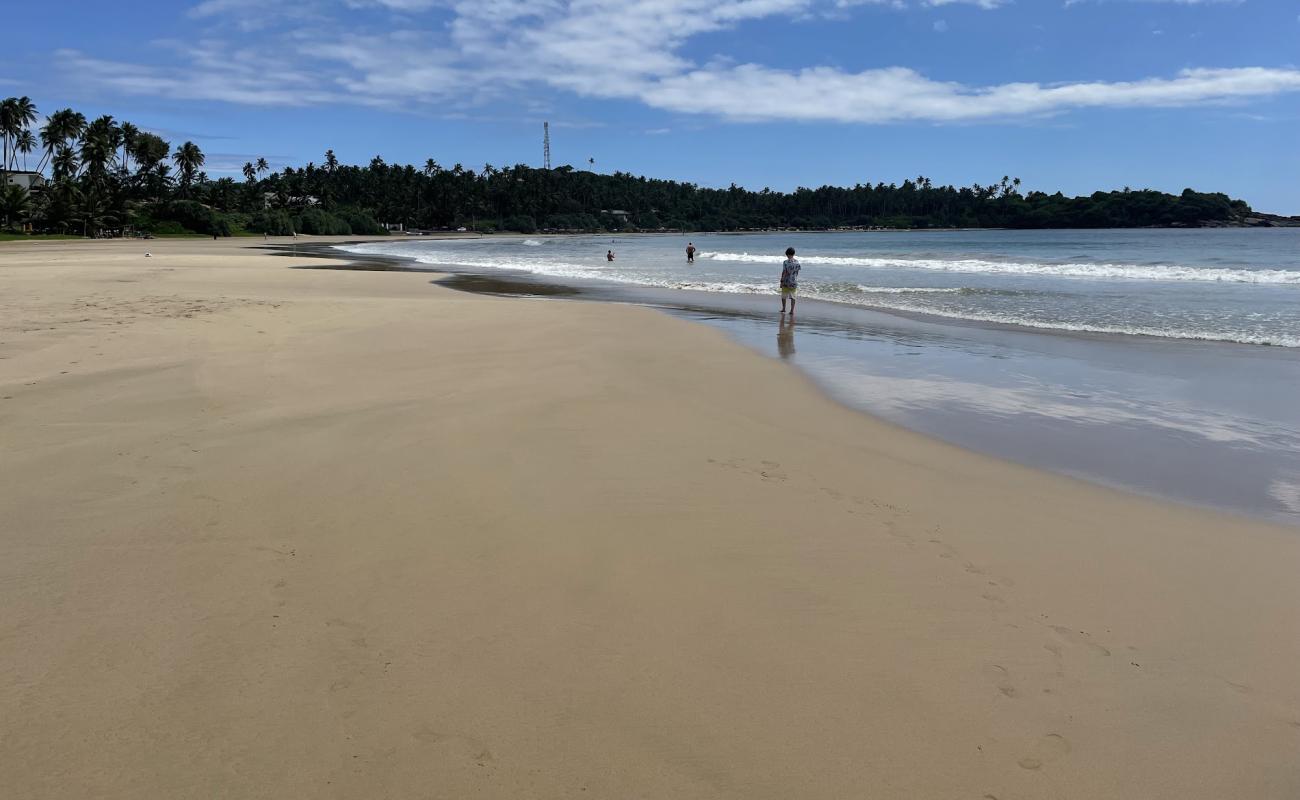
(1228, 285)
(1202, 421)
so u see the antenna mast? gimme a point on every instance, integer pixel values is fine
(546, 145)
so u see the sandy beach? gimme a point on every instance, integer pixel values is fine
(272, 533)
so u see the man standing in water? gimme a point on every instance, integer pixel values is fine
(690, 253)
(789, 280)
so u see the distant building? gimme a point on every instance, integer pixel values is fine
(23, 178)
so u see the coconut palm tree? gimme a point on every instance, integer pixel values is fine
(130, 136)
(25, 143)
(64, 164)
(250, 174)
(149, 150)
(99, 146)
(188, 158)
(16, 114)
(331, 162)
(223, 193)
(15, 203)
(262, 166)
(95, 214)
(8, 127)
(63, 125)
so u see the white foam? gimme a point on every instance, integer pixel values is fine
(531, 243)
(1287, 492)
(1207, 335)
(1171, 272)
(908, 290)
(890, 298)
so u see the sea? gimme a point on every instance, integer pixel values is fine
(1165, 362)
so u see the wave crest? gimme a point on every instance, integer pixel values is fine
(1140, 272)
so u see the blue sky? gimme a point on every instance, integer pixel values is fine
(1075, 95)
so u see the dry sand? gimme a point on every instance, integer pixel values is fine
(285, 533)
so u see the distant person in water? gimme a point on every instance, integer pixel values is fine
(609, 255)
(789, 280)
(690, 253)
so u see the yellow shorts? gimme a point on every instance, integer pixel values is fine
(789, 291)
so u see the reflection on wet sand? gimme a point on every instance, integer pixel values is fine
(1207, 424)
(785, 338)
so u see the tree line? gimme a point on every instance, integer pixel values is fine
(103, 177)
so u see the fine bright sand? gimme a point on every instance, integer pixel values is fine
(277, 533)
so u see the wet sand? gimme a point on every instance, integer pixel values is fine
(270, 532)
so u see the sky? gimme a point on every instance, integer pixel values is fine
(1069, 95)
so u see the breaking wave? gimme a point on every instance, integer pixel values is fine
(1140, 272)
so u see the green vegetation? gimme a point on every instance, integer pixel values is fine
(105, 178)
(110, 178)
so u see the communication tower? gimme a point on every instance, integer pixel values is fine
(546, 145)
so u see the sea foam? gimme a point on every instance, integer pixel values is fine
(1172, 272)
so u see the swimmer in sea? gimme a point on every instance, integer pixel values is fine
(609, 256)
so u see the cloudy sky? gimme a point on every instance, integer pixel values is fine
(1075, 95)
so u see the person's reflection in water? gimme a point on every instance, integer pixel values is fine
(785, 338)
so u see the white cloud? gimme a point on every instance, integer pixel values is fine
(638, 50)
(754, 93)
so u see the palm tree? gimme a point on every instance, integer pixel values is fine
(25, 143)
(149, 150)
(61, 199)
(99, 147)
(15, 202)
(64, 163)
(8, 127)
(250, 174)
(262, 166)
(331, 162)
(94, 214)
(158, 179)
(223, 192)
(16, 114)
(130, 136)
(62, 125)
(188, 158)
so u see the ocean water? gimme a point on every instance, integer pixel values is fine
(1161, 361)
(1224, 285)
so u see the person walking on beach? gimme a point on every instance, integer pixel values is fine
(789, 280)
(690, 253)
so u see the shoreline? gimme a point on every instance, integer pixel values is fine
(741, 315)
(292, 532)
(932, 316)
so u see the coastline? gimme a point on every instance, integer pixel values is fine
(319, 532)
(862, 357)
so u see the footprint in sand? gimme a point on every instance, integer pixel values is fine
(950, 552)
(457, 745)
(767, 470)
(1000, 678)
(995, 600)
(1071, 636)
(1048, 749)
